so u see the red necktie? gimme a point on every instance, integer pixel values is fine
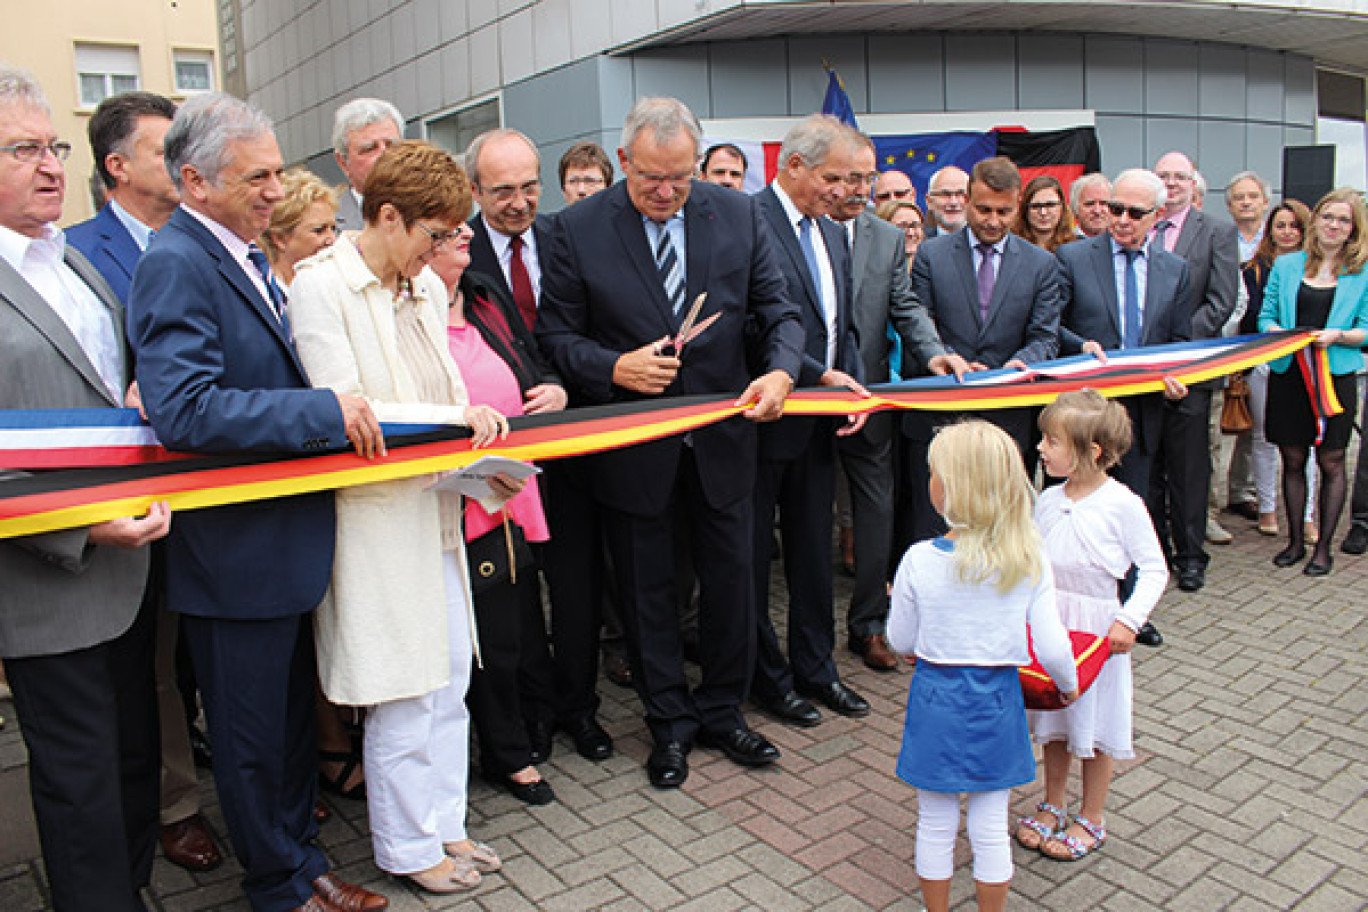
(521, 282)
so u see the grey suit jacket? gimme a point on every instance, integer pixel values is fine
(348, 212)
(882, 292)
(1023, 315)
(1213, 256)
(60, 592)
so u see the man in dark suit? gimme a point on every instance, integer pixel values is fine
(881, 294)
(219, 374)
(1182, 470)
(77, 647)
(996, 301)
(511, 240)
(1100, 275)
(363, 129)
(797, 472)
(126, 133)
(510, 246)
(625, 265)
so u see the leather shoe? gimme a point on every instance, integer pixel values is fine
(1246, 508)
(668, 765)
(200, 748)
(1356, 542)
(1289, 556)
(793, 710)
(1149, 635)
(339, 895)
(1316, 568)
(838, 698)
(592, 742)
(539, 740)
(314, 904)
(537, 793)
(1191, 580)
(617, 669)
(741, 745)
(875, 651)
(189, 845)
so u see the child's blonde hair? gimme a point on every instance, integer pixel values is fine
(988, 501)
(1082, 418)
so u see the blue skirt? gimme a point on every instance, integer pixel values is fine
(965, 730)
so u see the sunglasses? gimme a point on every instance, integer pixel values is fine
(1135, 212)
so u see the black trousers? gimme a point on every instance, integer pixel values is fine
(514, 671)
(1177, 496)
(257, 680)
(642, 550)
(868, 461)
(89, 720)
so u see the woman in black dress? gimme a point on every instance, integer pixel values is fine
(1323, 287)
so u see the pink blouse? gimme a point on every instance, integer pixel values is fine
(489, 381)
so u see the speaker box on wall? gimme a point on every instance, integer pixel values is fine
(1308, 173)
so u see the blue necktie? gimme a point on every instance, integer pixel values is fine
(1130, 337)
(810, 254)
(258, 259)
(671, 275)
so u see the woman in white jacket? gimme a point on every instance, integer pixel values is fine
(395, 632)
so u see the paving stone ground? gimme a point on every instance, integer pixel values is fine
(1247, 792)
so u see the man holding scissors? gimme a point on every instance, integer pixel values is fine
(625, 266)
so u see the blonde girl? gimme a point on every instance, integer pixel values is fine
(1095, 529)
(961, 604)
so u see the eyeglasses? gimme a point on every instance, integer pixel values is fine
(439, 238)
(857, 179)
(505, 192)
(1174, 175)
(1041, 207)
(1341, 220)
(1135, 212)
(677, 182)
(949, 194)
(30, 151)
(584, 182)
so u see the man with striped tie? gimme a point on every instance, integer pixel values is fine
(626, 266)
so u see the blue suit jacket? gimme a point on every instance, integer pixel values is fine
(109, 247)
(1091, 312)
(602, 297)
(218, 374)
(1348, 311)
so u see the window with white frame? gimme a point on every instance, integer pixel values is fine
(103, 70)
(194, 72)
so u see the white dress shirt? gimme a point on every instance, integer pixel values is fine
(505, 255)
(828, 277)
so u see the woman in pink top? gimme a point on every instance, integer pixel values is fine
(499, 361)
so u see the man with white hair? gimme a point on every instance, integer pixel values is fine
(946, 196)
(77, 645)
(1088, 197)
(363, 129)
(1247, 197)
(219, 373)
(613, 303)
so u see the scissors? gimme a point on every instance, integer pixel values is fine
(672, 348)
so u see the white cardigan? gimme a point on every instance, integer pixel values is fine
(381, 629)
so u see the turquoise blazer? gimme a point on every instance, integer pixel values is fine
(1348, 311)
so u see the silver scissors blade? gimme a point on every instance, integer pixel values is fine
(689, 319)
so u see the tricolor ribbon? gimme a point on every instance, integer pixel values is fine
(103, 464)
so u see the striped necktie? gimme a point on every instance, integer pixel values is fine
(671, 271)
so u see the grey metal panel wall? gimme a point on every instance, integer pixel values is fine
(1112, 68)
(748, 79)
(678, 71)
(847, 55)
(1171, 81)
(906, 73)
(1050, 71)
(980, 72)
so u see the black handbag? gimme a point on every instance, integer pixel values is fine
(497, 556)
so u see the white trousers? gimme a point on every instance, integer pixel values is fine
(986, 821)
(417, 754)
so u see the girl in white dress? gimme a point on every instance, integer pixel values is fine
(1095, 530)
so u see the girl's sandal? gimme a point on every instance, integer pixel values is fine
(1031, 833)
(1070, 847)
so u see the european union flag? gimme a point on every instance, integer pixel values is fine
(837, 103)
(923, 154)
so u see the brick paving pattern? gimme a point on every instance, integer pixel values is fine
(1247, 793)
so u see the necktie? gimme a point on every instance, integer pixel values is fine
(1161, 228)
(521, 282)
(986, 279)
(258, 259)
(1130, 337)
(671, 274)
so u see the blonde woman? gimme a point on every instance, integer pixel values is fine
(302, 223)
